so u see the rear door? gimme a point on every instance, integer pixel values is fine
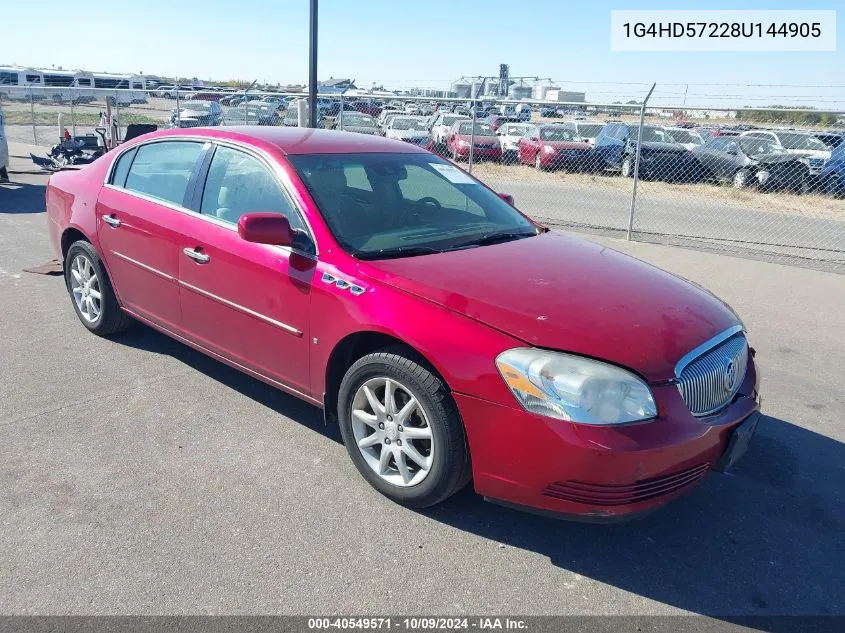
(138, 216)
(245, 301)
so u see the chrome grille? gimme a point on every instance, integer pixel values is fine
(710, 380)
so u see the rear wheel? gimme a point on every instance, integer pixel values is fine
(91, 291)
(402, 429)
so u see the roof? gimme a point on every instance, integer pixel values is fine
(299, 140)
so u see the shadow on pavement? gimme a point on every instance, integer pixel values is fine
(764, 540)
(145, 338)
(21, 197)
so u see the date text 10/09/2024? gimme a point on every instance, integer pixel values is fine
(722, 29)
(418, 623)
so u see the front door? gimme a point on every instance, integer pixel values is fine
(138, 213)
(248, 302)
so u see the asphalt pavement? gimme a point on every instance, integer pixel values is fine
(138, 476)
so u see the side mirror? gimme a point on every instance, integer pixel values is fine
(266, 228)
(506, 197)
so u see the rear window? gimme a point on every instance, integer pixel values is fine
(162, 170)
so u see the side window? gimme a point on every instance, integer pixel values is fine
(356, 177)
(162, 170)
(121, 169)
(731, 145)
(238, 183)
(717, 144)
(421, 183)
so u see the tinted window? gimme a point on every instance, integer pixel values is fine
(417, 203)
(238, 183)
(162, 170)
(121, 169)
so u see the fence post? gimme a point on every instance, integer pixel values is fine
(471, 139)
(178, 107)
(72, 113)
(340, 114)
(117, 118)
(32, 117)
(637, 163)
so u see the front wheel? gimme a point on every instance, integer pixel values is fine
(538, 162)
(742, 179)
(402, 429)
(91, 291)
(627, 167)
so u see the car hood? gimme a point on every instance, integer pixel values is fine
(360, 129)
(559, 292)
(770, 159)
(402, 134)
(193, 114)
(655, 146)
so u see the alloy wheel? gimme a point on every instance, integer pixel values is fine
(392, 431)
(85, 287)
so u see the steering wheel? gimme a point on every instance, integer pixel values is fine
(430, 201)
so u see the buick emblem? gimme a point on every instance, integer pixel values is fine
(729, 374)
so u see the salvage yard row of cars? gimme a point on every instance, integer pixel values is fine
(797, 160)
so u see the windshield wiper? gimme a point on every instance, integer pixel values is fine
(400, 251)
(495, 238)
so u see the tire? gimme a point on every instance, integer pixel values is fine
(436, 414)
(538, 162)
(742, 179)
(627, 167)
(109, 318)
(455, 156)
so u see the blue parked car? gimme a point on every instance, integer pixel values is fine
(661, 158)
(833, 174)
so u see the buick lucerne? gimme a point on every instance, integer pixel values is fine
(452, 338)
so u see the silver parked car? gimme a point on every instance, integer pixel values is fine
(408, 128)
(356, 122)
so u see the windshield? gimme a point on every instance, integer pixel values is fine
(753, 146)
(402, 123)
(557, 134)
(791, 140)
(198, 105)
(381, 205)
(652, 135)
(685, 136)
(358, 120)
(449, 120)
(589, 130)
(517, 129)
(481, 129)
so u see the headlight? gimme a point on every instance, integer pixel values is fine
(548, 149)
(574, 388)
(463, 143)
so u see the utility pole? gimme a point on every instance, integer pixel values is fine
(312, 67)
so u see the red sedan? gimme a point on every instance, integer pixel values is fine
(554, 146)
(483, 139)
(450, 336)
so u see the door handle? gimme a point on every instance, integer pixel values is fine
(196, 255)
(111, 221)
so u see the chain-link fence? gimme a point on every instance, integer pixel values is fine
(763, 182)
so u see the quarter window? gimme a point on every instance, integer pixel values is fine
(162, 170)
(238, 183)
(121, 169)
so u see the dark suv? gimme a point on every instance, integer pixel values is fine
(661, 158)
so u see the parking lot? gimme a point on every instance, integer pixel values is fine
(138, 476)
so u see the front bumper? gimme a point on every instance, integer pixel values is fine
(592, 473)
(480, 153)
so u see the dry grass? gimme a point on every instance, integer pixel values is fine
(812, 205)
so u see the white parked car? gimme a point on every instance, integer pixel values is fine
(441, 125)
(509, 135)
(587, 131)
(411, 129)
(4, 151)
(814, 152)
(685, 137)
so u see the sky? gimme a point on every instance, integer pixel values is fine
(405, 43)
